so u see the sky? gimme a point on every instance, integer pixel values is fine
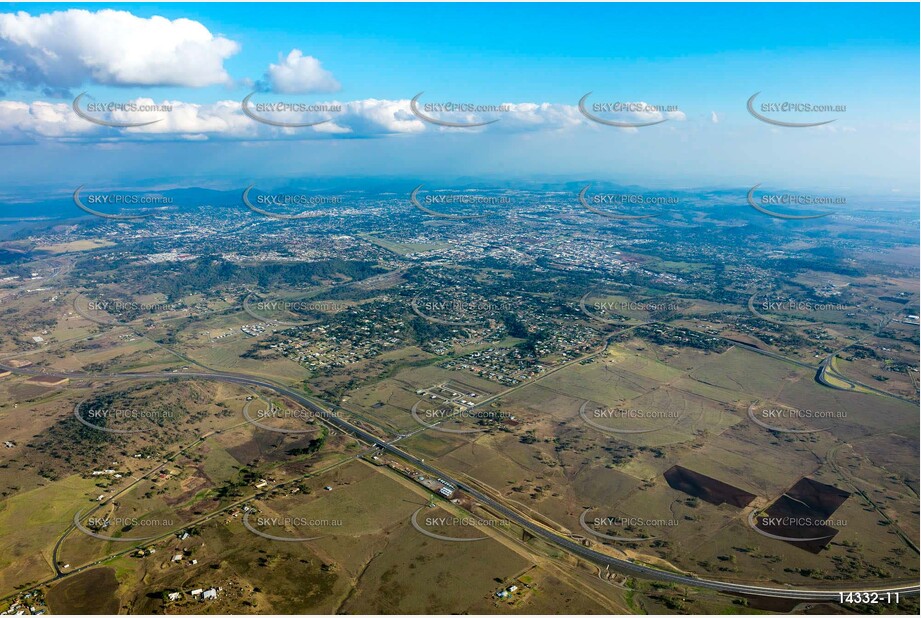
(702, 62)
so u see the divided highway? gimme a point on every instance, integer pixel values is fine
(574, 547)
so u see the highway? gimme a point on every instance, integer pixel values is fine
(826, 367)
(574, 547)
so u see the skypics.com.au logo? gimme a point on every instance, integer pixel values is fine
(422, 112)
(288, 113)
(596, 203)
(100, 418)
(470, 312)
(773, 418)
(461, 524)
(150, 112)
(111, 312)
(630, 525)
(272, 412)
(462, 198)
(297, 529)
(623, 312)
(259, 202)
(118, 199)
(263, 310)
(792, 199)
(648, 114)
(807, 526)
(432, 417)
(658, 419)
(792, 107)
(764, 306)
(97, 527)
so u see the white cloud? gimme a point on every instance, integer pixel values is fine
(220, 120)
(714, 118)
(377, 116)
(516, 117)
(299, 74)
(23, 120)
(65, 49)
(226, 120)
(646, 112)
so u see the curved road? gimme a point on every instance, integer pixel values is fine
(625, 566)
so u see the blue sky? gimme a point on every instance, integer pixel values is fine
(707, 59)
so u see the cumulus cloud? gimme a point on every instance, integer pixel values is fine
(647, 112)
(190, 119)
(64, 49)
(535, 116)
(714, 118)
(378, 116)
(298, 74)
(226, 120)
(504, 117)
(220, 120)
(23, 120)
